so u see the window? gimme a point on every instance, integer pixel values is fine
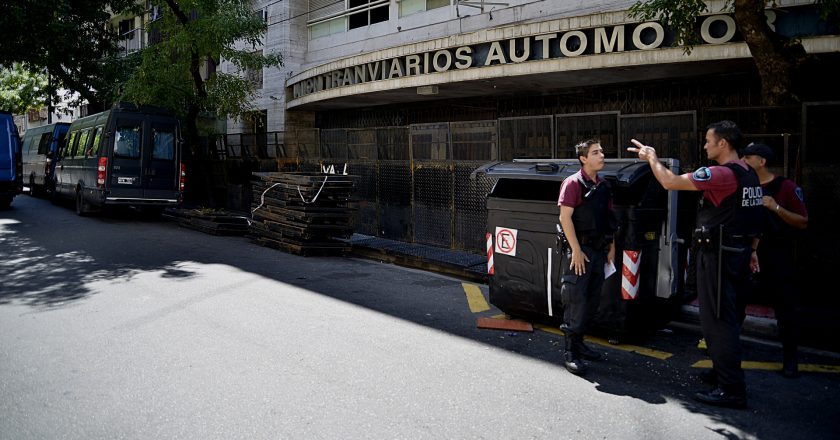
(376, 12)
(66, 150)
(126, 29)
(262, 15)
(255, 76)
(44, 143)
(60, 143)
(127, 142)
(328, 17)
(408, 7)
(93, 148)
(164, 144)
(329, 27)
(79, 151)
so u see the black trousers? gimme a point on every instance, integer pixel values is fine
(776, 285)
(581, 294)
(722, 332)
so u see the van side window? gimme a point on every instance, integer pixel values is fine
(93, 148)
(164, 144)
(29, 144)
(60, 142)
(44, 143)
(127, 142)
(67, 150)
(80, 149)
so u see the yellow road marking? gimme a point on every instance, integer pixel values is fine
(774, 366)
(475, 298)
(624, 347)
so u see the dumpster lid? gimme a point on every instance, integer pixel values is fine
(621, 171)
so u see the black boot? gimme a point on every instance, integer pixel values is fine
(709, 377)
(722, 397)
(589, 354)
(571, 358)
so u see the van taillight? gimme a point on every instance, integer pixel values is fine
(100, 171)
(183, 178)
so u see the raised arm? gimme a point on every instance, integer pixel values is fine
(666, 177)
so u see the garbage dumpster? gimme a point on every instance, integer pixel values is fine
(523, 254)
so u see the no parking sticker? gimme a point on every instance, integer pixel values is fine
(506, 241)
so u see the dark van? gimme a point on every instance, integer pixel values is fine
(40, 147)
(125, 156)
(11, 172)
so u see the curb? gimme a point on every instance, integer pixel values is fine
(419, 263)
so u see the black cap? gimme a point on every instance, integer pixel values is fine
(755, 149)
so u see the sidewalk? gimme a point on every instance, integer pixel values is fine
(818, 327)
(460, 264)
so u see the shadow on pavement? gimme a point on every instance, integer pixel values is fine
(42, 265)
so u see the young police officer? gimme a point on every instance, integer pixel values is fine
(729, 219)
(788, 214)
(588, 225)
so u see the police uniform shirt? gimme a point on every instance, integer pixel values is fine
(789, 197)
(717, 182)
(571, 192)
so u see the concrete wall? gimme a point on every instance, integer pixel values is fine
(444, 22)
(288, 34)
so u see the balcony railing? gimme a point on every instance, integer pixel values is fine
(131, 41)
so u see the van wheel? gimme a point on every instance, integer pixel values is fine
(82, 208)
(5, 202)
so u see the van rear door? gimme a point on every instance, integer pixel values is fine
(8, 149)
(127, 158)
(160, 161)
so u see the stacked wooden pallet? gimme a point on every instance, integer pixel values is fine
(216, 222)
(303, 213)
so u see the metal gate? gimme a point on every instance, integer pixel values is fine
(576, 127)
(673, 134)
(474, 143)
(432, 183)
(526, 137)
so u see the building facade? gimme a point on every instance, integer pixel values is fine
(415, 94)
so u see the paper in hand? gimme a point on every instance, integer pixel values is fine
(609, 269)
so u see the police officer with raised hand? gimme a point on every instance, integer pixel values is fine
(588, 225)
(729, 220)
(786, 205)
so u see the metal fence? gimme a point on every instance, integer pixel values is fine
(414, 181)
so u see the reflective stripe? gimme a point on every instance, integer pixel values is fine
(548, 285)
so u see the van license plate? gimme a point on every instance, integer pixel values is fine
(126, 180)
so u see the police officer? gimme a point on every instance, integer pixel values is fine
(788, 215)
(729, 221)
(588, 225)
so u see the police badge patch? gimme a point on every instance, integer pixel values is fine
(798, 192)
(702, 174)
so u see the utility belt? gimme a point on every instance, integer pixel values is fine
(711, 239)
(596, 242)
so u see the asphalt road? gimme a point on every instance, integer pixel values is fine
(116, 327)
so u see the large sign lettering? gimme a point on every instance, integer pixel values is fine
(714, 29)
